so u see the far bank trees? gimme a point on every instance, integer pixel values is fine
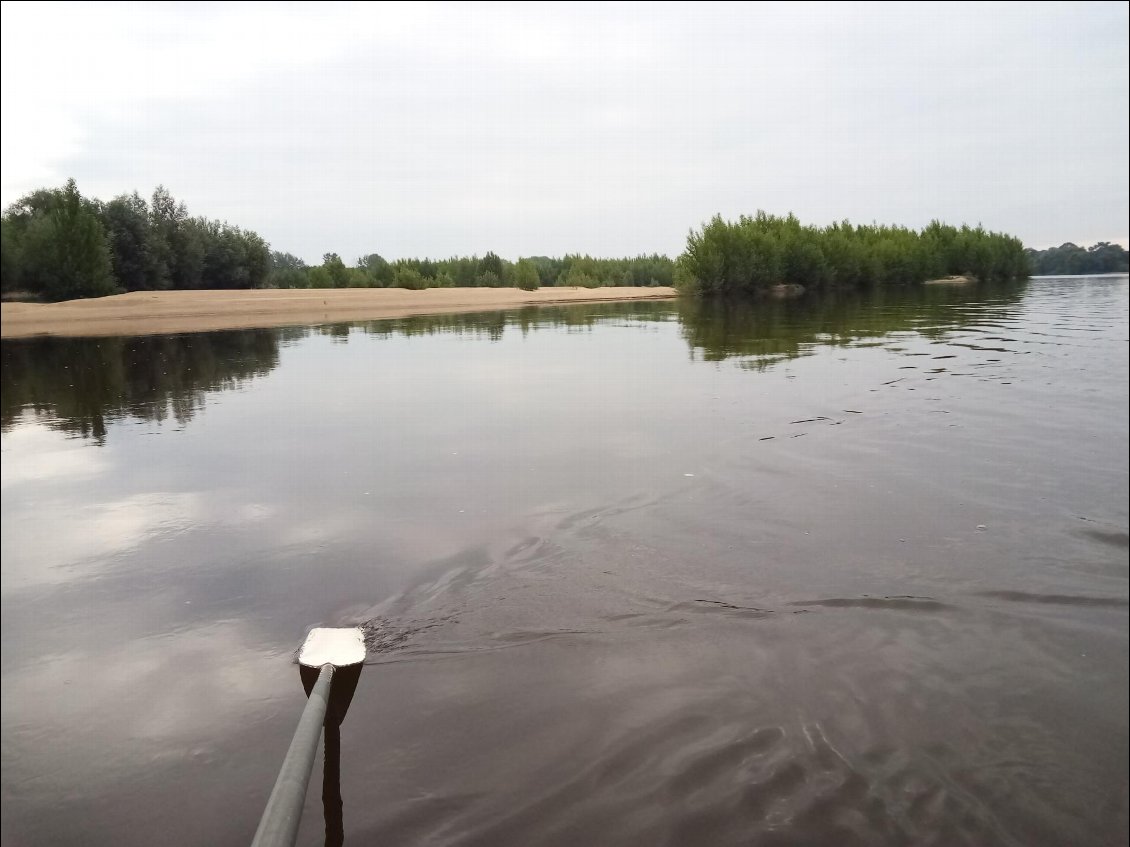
(58, 245)
(755, 253)
(1071, 259)
(55, 244)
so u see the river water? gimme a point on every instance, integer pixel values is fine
(836, 571)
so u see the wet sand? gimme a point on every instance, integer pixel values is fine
(152, 312)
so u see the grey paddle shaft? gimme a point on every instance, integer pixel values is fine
(279, 825)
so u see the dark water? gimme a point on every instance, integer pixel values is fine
(816, 572)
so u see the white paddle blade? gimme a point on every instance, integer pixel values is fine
(333, 646)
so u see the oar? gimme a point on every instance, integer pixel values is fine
(326, 650)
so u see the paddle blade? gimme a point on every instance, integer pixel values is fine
(339, 647)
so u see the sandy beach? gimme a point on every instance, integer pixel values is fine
(152, 312)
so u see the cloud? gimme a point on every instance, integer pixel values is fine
(460, 128)
(36, 553)
(36, 453)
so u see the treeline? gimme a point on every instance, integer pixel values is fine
(754, 254)
(59, 245)
(489, 271)
(56, 244)
(1068, 259)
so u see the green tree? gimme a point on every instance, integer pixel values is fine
(134, 251)
(1069, 259)
(377, 269)
(463, 270)
(526, 275)
(578, 277)
(166, 218)
(25, 214)
(286, 270)
(10, 259)
(64, 252)
(338, 272)
(410, 278)
(256, 257)
(491, 263)
(756, 253)
(319, 277)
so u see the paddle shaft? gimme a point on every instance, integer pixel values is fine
(279, 824)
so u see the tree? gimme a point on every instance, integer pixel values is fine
(9, 258)
(548, 269)
(190, 249)
(42, 201)
(64, 252)
(22, 216)
(152, 246)
(1068, 259)
(491, 263)
(134, 253)
(376, 268)
(320, 277)
(286, 271)
(256, 257)
(410, 278)
(578, 277)
(526, 275)
(755, 253)
(338, 272)
(165, 218)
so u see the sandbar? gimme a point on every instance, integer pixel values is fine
(160, 312)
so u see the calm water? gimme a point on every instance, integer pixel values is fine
(838, 571)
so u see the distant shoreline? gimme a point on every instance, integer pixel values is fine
(161, 312)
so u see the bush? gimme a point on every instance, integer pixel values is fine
(754, 254)
(526, 276)
(409, 278)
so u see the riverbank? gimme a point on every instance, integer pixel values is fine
(156, 312)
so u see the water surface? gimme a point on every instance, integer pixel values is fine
(846, 570)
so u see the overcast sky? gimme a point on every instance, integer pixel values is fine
(611, 129)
